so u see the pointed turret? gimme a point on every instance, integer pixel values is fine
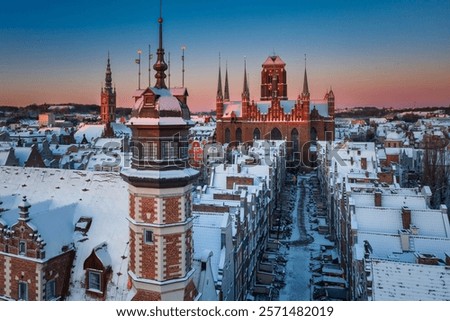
(245, 91)
(219, 95)
(227, 90)
(305, 85)
(305, 93)
(160, 66)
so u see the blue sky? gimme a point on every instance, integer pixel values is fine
(383, 53)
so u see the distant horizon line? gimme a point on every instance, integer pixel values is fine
(213, 109)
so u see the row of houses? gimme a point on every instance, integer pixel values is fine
(392, 245)
(64, 233)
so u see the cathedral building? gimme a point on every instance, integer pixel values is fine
(160, 184)
(301, 121)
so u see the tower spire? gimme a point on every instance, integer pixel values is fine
(227, 90)
(160, 66)
(245, 92)
(108, 75)
(219, 83)
(305, 82)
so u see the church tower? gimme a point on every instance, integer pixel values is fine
(219, 96)
(159, 185)
(108, 102)
(273, 79)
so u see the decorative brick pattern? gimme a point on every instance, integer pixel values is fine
(148, 210)
(190, 292)
(173, 256)
(172, 210)
(2, 275)
(149, 259)
(132, 255)
(143, 295)
(132, 206)
(24, 271)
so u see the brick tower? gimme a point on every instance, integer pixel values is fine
(273, 78)
(160, 214)
(108, 102)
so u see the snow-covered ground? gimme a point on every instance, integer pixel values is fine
(298, 253)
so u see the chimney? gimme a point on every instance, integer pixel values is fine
(364, 163)
(378, 198)
(404, 240)
(406, 217)
(428, 259)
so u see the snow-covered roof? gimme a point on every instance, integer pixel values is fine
(207, 236)
(168, 103)
(233, 106)
(273, 60)
(157, 121)
(22, 154)
(67, 196)
(90, 131)
(321, 106)
(409, 282)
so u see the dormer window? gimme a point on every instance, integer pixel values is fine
(94, 281)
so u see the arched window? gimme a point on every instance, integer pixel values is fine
(256, 134)
(227, 135)
(275, 134)
(239, 135)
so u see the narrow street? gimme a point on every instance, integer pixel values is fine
(303, 242)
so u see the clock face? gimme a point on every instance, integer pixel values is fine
(104, 100)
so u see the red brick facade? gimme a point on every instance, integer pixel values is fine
(142, 295)
(149, 258)
(190, 292)
(172, 206)
(173, 256)
(132, 199)
(298, 121)
(148, 210)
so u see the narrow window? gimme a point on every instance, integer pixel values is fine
(150, 151)
(23, 291)
(22, 248)
(148, 236)
(50, 290)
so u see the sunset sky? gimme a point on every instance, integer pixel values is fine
(372, 53)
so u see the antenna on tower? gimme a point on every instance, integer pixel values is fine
(183, 48)
(150, 56)
(138, 61)
(168, 70)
